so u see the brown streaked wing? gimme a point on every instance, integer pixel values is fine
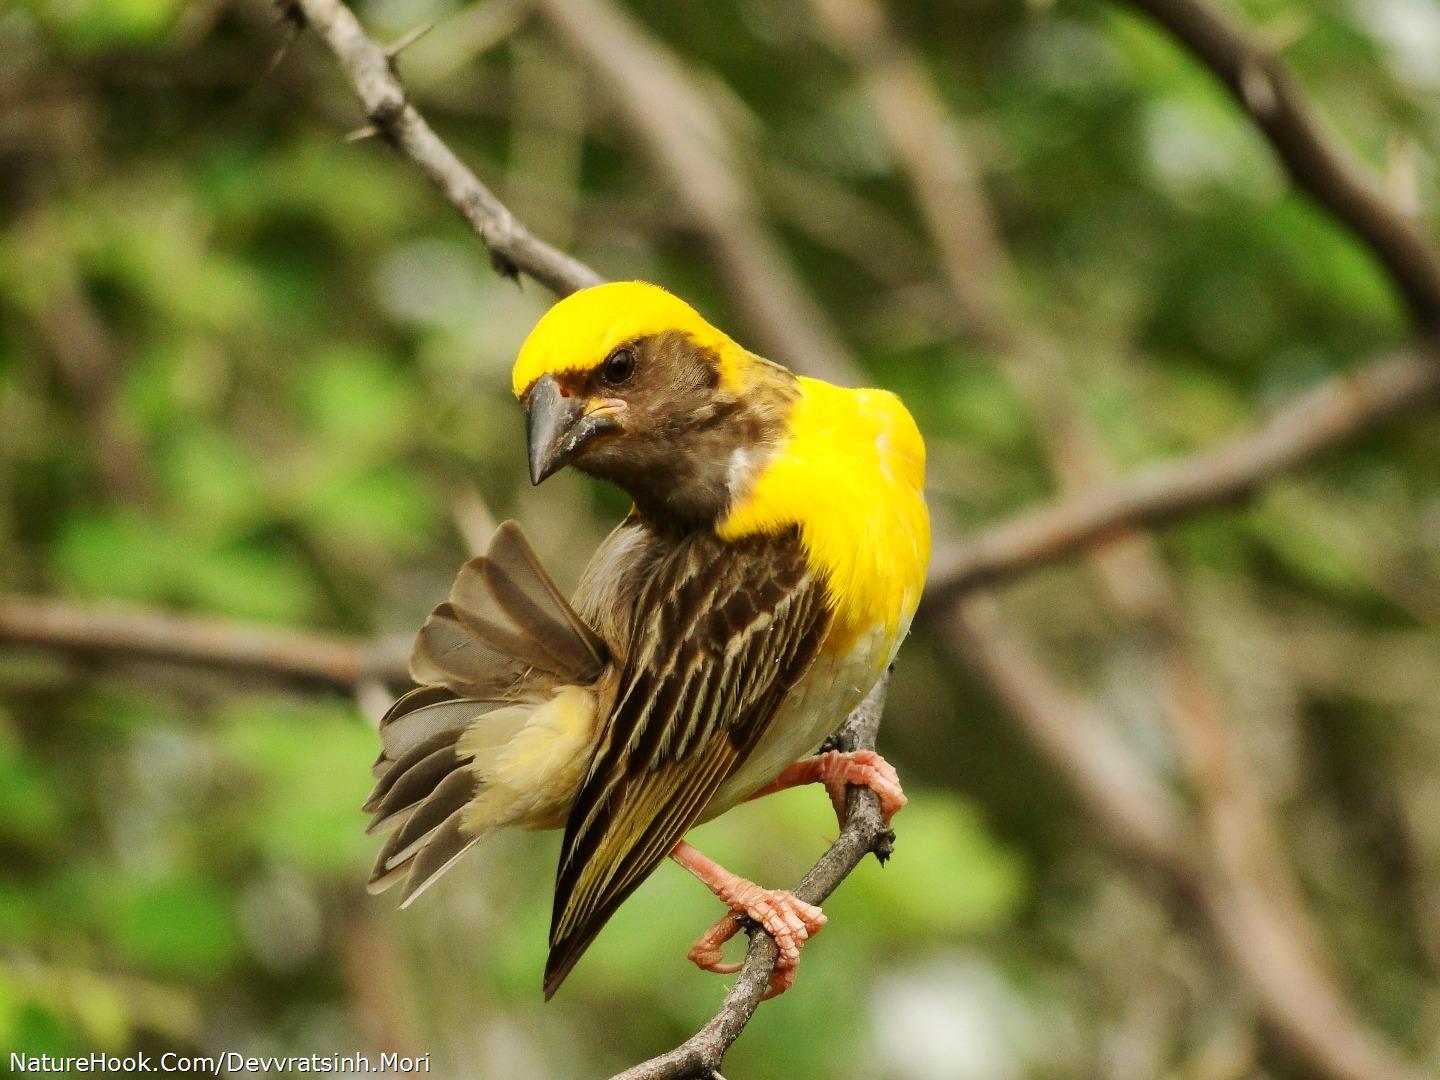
(724, 630)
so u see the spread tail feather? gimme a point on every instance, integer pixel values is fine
(444, 848)
(505, 643)
(425, 778)
(423, 712)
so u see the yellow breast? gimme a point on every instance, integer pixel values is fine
(851, 474)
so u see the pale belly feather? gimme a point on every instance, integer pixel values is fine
(812, 710)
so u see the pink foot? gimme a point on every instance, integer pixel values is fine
(783, 915)
(837, 768)
(705, 953)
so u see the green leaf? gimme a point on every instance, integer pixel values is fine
(129, 557)
(92, 25)
(251, 581)
(383, 506)
(31, 806)
(1317, 539)
(38, 1029)
(310, 764)
(982, 409)
(216, 481)
(182, 925)
(119, 555)
(949, 876)
(354, 401)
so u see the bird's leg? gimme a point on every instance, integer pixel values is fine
(783, 915)
(837, 768)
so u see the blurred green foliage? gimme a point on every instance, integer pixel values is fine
(252, 370)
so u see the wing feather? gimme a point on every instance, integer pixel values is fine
(722, 632)
(504, 622)
(514, 562)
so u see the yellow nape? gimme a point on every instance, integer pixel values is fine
(581, 331)
(851, 474)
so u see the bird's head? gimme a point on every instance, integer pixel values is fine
(629, 383)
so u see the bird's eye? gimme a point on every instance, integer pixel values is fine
(618, 367)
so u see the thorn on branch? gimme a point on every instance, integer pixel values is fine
(884, 846)
(504, 266)
(396, 48)
(293, 20)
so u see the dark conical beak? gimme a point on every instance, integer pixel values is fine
(558, 427)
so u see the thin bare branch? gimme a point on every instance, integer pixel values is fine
(1318, 162)
(115, 630)
(1126, 801)
(1317, 421)
(512, 246)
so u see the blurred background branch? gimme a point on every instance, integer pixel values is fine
(116, 630)
(1317, 162)
(1320, 419)
(692, 151)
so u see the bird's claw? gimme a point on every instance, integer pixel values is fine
(866, 768)
(705, 953)
(783, 915)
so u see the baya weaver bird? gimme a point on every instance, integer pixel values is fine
(753, 596)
